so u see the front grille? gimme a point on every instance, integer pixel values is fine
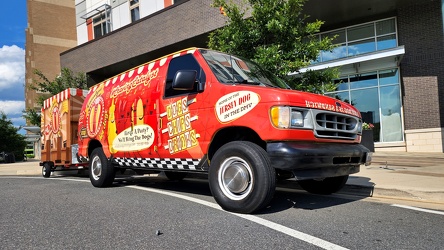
(335, 126)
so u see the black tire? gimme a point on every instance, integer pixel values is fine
(241, 177)
(101, 172)
(175, 176)
(324, 186)
(46, 170)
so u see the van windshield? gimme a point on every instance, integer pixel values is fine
(236, 70)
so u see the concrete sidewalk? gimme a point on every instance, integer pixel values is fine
(400, 175)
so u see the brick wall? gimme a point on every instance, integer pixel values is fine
(420, 30)
(178, 23)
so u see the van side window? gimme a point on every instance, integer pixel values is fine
(186, 62)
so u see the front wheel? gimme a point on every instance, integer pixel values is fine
(241, 177)
(324, 186)
(101, 172)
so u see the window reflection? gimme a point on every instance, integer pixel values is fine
(364, 80)
(386, 42)
(388, 77)
(366, 101)
(360, 39)
(377, 96)
(391, 114)
(361, 47)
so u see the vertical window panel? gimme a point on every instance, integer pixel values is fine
(134, 9)
(367, 102)
(391, 129)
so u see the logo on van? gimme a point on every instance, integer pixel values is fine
(235, 105)
(144, 79)
(95, 117)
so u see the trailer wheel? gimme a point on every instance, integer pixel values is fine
(325, 186)
(46, 170)
(241, 177)
(101, 172)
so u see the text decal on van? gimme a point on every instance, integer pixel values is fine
(134, 138)
(234, 105)
(181, 134)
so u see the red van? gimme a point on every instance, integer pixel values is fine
(200, 110)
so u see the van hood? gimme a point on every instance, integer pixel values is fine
(314, 101)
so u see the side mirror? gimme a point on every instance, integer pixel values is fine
(184, 80)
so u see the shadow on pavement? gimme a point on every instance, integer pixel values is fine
(288, 195)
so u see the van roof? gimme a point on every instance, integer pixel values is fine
(145, 63)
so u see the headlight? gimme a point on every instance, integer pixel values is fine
(285, 117)
(360, 126)
(297, 119)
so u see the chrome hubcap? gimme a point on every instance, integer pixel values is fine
(96, 168)
(235, 178)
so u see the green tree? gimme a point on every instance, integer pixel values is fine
(12, 140)
(66, 79)
(277, 37)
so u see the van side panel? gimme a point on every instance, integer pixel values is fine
(135, 126)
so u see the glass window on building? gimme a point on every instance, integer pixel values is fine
(377, 96)
(360, 39)
(134, 9)
(102, 25)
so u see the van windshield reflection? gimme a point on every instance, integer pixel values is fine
(232, 69)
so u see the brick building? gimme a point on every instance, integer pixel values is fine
(51, 30)
(390, 54)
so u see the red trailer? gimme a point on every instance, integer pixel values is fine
(59, 128)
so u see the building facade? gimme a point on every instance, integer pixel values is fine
(51, 30)
(390, 54)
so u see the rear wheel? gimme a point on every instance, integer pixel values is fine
(46, 170)
(324, 186)
(101, 172)
(241, 177)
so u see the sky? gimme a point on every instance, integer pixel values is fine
(13, 22)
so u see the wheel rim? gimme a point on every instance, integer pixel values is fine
(96, 168)
(235, 178)
(44, 170)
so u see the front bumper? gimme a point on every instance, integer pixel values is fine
(316, 160)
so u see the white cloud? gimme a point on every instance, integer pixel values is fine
(12, 108)
(12, 67)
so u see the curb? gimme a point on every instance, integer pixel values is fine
(435, 197)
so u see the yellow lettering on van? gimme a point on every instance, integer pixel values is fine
(130, 85)
(179, 107)
(169, 113)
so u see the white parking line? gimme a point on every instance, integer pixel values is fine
(418, 209)
(272, 225)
